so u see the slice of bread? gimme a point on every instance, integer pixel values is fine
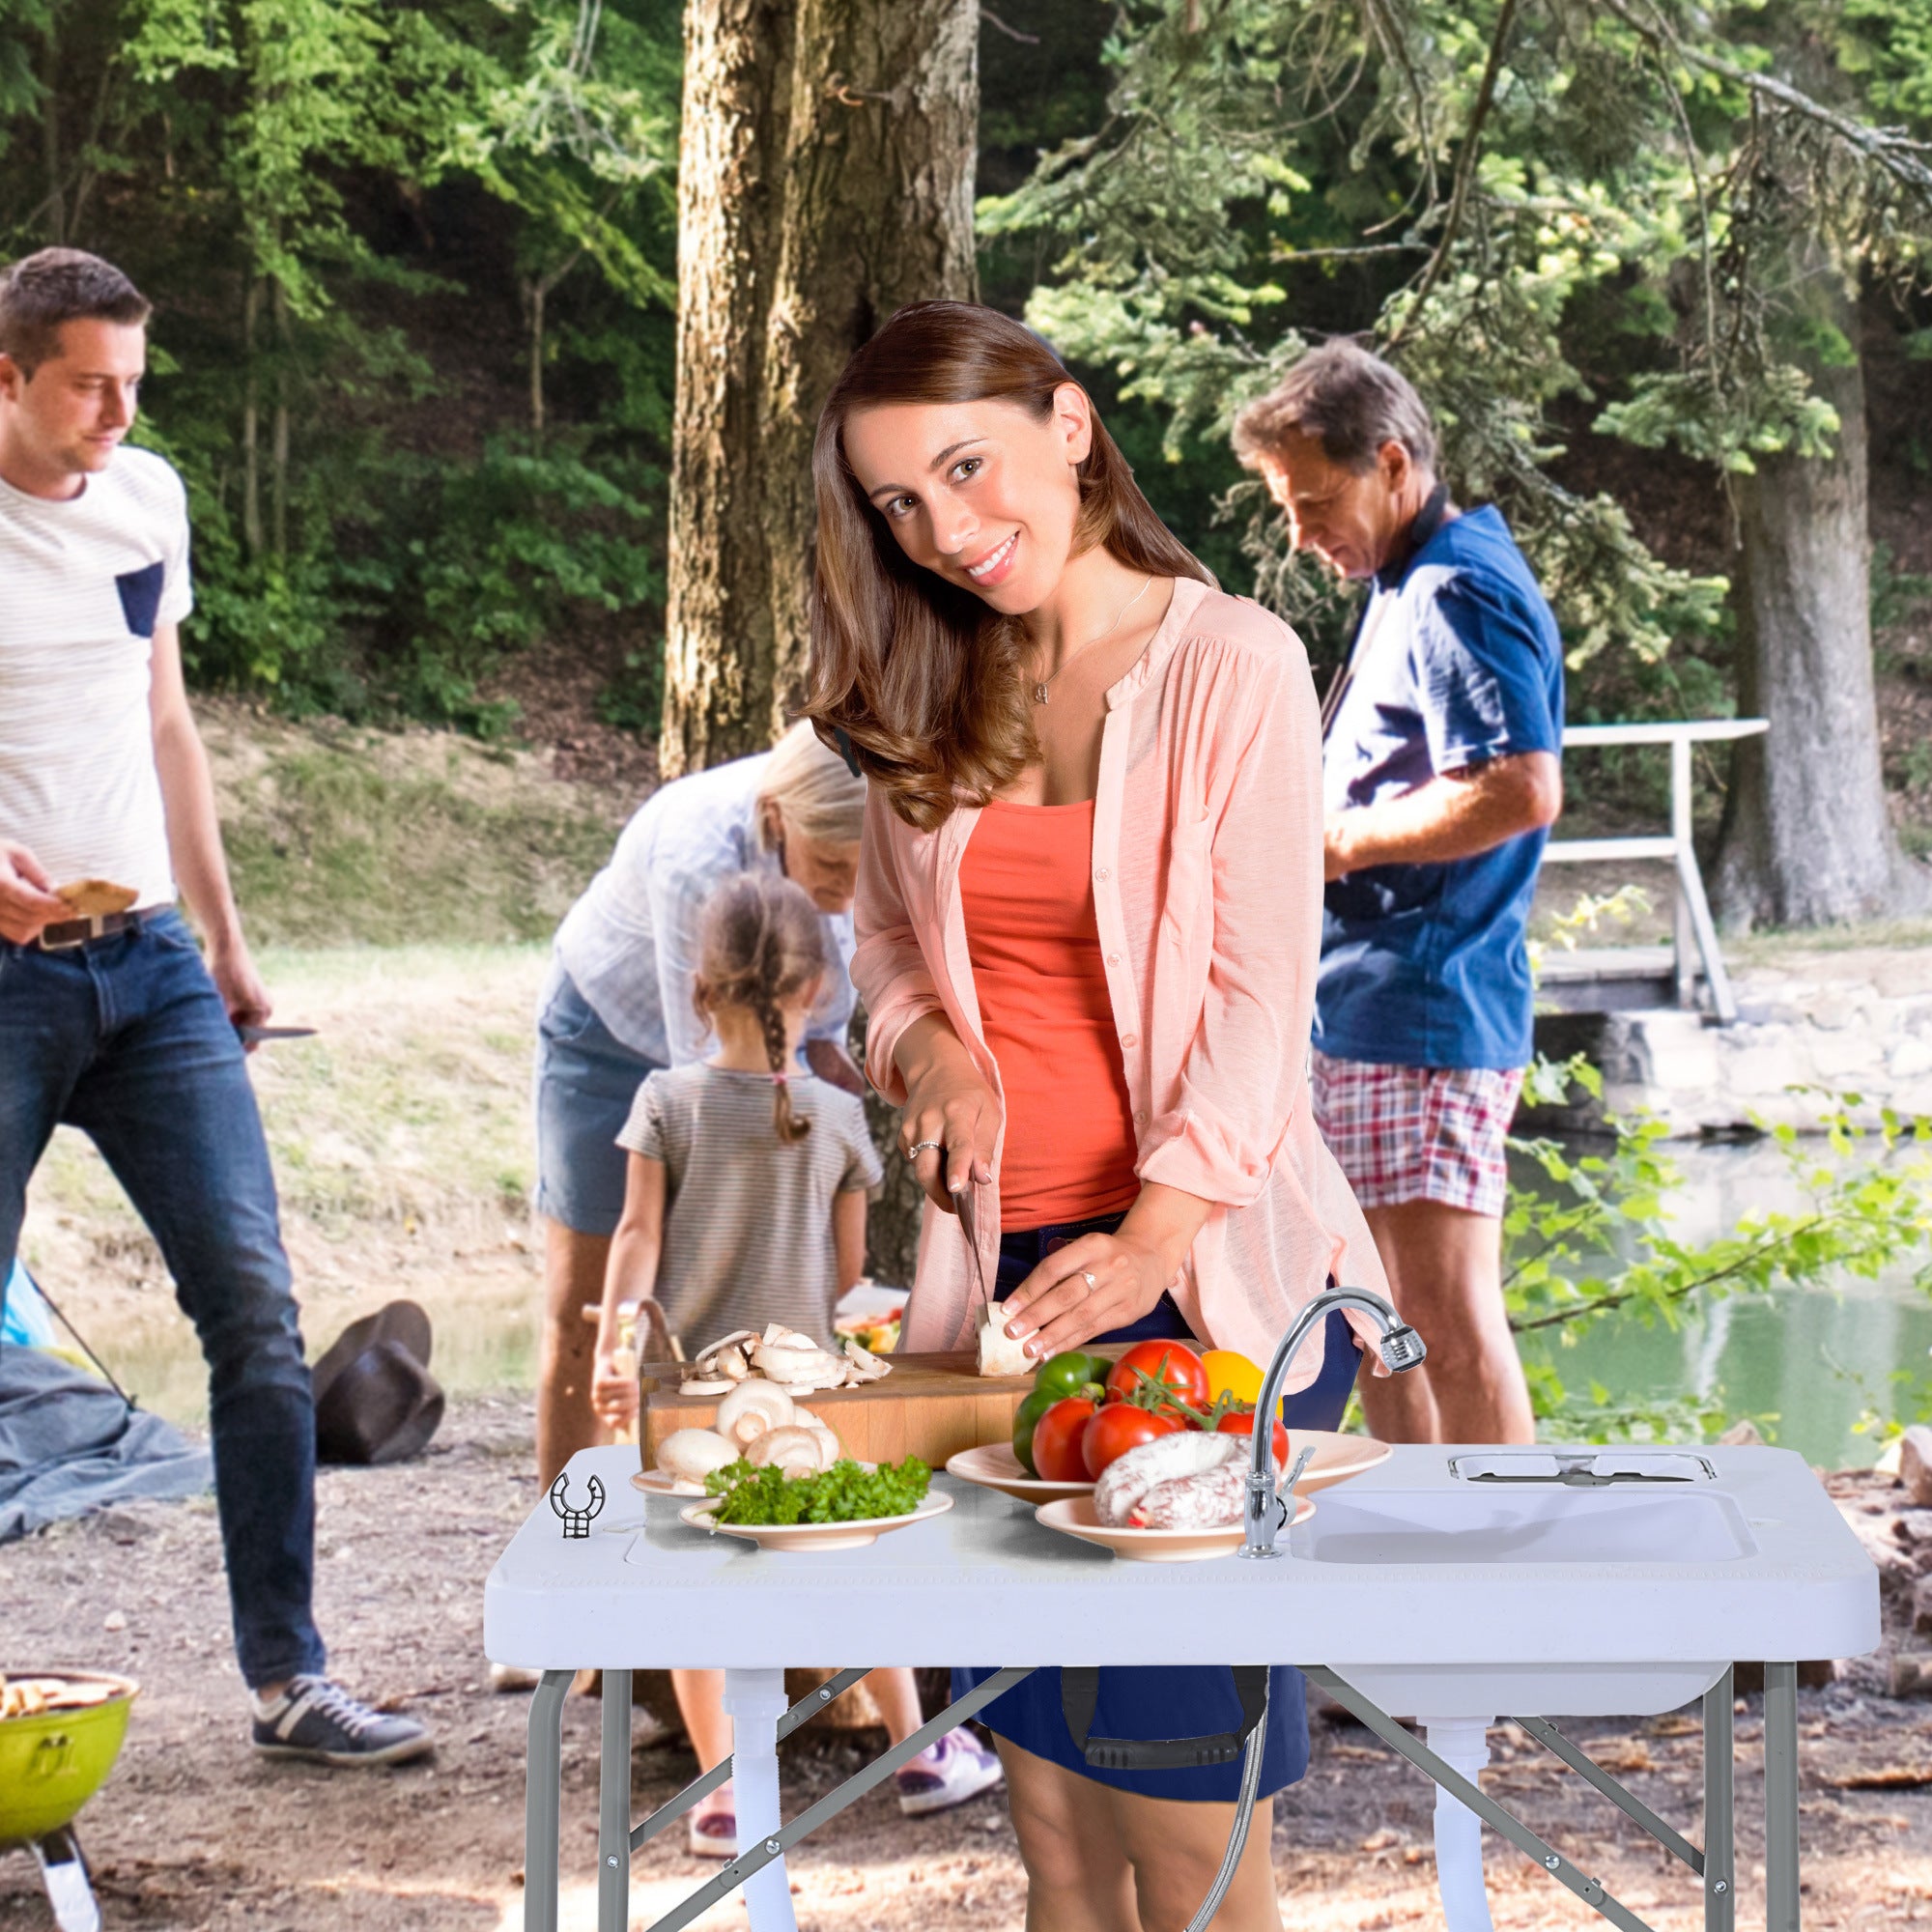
(92, 898)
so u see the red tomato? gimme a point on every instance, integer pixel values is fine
(1056, 1440)
(1118, 1428)
(1174, 1363)
(1245, 1424)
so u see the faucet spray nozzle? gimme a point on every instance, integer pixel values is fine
(1403, 1348)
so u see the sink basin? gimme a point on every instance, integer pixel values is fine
(1546, 1543)
(1665, 1524)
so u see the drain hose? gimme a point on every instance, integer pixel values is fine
(1464, 1742)
(1238, 1838)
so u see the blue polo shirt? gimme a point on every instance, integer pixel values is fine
(1461, 662)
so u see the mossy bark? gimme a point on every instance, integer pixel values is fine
(1807, 839)
(825, 178)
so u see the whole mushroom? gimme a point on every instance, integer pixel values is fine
(753, 1409)
(796, 1452)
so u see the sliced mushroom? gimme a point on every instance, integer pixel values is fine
(792, 1363)
(753, 1409)
(705, 1385)
(731, 1364)
(864, 1365)
(795, 1452)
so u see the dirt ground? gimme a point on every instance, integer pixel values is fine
(193, 1832)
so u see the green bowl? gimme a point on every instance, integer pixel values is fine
(50, 1765)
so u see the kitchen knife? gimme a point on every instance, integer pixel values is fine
(969, 1226)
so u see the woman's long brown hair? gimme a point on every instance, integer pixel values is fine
(927, 682)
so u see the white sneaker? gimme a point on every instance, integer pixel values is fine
(946, 1774)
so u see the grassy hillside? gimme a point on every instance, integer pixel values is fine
(338, 834)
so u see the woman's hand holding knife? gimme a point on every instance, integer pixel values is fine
(951, 1121)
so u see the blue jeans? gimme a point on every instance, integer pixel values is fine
(127, 1039)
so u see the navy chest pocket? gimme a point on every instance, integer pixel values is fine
(141, 597)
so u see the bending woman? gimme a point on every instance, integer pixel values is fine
(617, 1006)
(1087, 914)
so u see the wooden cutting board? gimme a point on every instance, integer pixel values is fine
(930, 1406)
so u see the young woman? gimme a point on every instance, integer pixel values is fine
(1089, 914)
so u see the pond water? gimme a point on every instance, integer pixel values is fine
(1806, 1364)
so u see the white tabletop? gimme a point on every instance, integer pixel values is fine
(986, 1584)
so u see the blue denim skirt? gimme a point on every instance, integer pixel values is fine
(1167, 1700)
(586, 1080)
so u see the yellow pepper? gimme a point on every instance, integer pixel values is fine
(1232, 1375)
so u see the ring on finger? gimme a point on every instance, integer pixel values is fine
(1092, 1280)
(919, 1148)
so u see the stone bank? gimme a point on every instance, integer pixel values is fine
(1853, 1022)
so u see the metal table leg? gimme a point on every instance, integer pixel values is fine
(1721, 1882)
(543, 1796)
(756, 1701)
(1780, 1798)
(614, 1806)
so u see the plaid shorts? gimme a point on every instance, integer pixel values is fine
(1418, 1133)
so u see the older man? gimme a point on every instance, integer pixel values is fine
(1440, 771)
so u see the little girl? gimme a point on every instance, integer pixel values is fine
(744, 1203)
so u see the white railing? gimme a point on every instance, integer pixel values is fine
(1691, 926)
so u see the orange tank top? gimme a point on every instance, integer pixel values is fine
(1028, 896)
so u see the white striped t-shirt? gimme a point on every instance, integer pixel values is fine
(83, 584)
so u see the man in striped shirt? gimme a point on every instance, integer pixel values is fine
(114, 1023)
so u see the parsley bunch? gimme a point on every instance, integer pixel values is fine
(842, 1493)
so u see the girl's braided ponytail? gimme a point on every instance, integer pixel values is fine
(762, 945)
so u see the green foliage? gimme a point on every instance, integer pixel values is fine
(323, 197)
(1541, 208)
(1599, 1245)
(846, 1492)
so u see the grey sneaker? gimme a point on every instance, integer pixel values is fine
(319, 1721)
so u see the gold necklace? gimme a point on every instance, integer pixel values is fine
(1041, 686)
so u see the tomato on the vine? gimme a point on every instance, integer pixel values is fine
(1056, 1440)
(1241, 1422)
(1173, 1364)
(1120, 1426)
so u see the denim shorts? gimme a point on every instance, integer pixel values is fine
(586, 1079)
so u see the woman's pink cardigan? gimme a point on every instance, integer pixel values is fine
(1207, 890)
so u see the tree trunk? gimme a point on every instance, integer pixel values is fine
(825, 178)
(535, 291)
(50, 145)
(1807, 838)
(278, 483)
(251, 421)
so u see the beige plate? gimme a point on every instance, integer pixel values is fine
(993, 1466)
(655, 1483)
(1336, 1456)
(1073, 1515)
(816, 1535)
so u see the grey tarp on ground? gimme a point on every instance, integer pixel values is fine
(70, 1444)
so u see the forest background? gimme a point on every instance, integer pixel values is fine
(416, 270)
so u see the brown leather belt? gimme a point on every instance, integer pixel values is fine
(69, 933)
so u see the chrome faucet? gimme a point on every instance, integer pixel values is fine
(1401, 1348)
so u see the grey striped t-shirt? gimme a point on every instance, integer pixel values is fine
(748, 1218)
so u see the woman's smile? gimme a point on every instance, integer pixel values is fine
(996, 566)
